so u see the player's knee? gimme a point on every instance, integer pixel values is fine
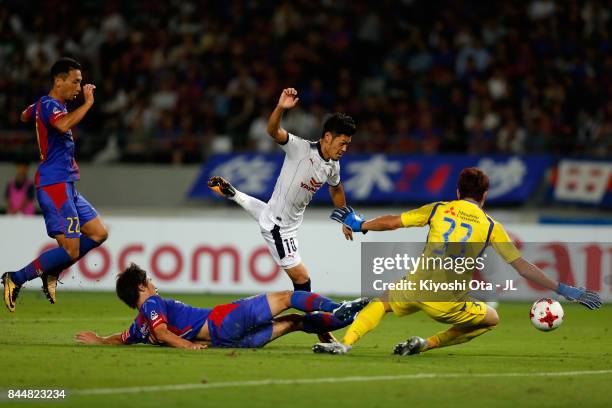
(102, 236)
(283, 298)
(491, 318)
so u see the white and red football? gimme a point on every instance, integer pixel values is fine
(546, 314)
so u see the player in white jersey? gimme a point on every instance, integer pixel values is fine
(306, 168)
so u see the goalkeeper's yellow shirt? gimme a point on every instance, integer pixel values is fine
(461, 221)
(458, 230)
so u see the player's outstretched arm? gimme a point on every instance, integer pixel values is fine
(168, 338)
(354, 221)
(529, 271)
(383, 223)
(72, 119)
(287, 100)
(89, 337)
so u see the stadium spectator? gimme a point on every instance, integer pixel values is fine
(19, 192)
(466, 67)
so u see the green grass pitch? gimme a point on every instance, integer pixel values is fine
(503, 368)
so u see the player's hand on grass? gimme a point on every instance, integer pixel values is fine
(197, 346)
(88, 337)
(288, 98)
(88, 93)
(348, 233)
(348, 217)
(585, 297)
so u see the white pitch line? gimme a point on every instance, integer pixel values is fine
(301, 381)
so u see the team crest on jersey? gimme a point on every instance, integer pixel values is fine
(312, 186)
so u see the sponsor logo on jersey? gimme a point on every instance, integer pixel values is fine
(313, 185)
(154, 315)
(451, 211)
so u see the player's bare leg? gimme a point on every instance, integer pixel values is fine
(286, 324)
(299, 276)
(95, 229)
(223, 187)
(454, 335)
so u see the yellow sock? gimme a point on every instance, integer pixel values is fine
(455, 335)
(365, 322)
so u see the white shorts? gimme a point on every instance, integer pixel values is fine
(283, 245)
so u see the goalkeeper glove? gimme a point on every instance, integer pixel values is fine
(347, 216)
(581, 295)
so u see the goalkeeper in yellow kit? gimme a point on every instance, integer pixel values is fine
(461, 223)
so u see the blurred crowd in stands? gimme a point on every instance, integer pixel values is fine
(177, 80)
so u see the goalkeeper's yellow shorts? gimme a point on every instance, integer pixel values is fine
(456, 313)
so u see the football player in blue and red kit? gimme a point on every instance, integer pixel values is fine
(246, 323)
(69, 218)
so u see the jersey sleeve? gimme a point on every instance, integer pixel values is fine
(154, 311)
(418, 217)
(503, 245)
(54, 111)
(130, 336)
(28, 112)
(334, 179)
(295, 147)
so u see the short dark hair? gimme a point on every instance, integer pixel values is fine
(339, 124)
(128, 282)
(63, 66)
(472, 183)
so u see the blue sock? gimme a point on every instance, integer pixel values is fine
(86, 244)
(323, 323)
(53, 259)
(311, 302)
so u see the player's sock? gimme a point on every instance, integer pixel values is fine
(50, 260)
(365, 322)
(305, 287)
(323, 322)
(86, 244)
(454, 335)
(251, 204)
(312, 302)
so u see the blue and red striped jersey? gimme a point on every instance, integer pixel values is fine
(183, 320)
(57, 163)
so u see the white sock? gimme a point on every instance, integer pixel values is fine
(252, 205)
